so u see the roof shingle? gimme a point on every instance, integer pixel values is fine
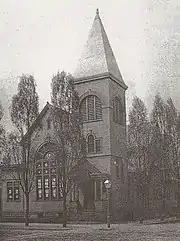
(97, 57)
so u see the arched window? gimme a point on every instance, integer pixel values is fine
(48, 147)
(93, 144)
(48, 124)
(118, 111)
(91, 108)
(47, 173)
(90, 144)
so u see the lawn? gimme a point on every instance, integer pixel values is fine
(124, 232)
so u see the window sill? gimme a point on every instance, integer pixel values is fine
(50, 200)
(90, 121)
(94, 154)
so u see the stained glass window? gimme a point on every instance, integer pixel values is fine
(47, 177)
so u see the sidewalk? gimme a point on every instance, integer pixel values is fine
(158, 221)
(42, 226)
(82, 226)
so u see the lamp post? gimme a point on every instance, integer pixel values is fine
(107, 184)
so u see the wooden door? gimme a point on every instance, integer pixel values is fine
(88, 195)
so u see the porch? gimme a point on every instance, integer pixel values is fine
(88, 197)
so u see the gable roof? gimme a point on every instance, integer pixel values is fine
(95, 168)
(97, 57)
(93, 171)
(37, 122)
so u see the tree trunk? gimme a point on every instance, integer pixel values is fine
(163, 206)
(178, 203)
(27, 210)
(141, 208)
(64, 212)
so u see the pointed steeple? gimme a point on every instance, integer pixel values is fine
(97, 58)
(97, 13)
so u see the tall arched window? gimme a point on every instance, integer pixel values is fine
(93, 144)
(118, 111)
(47, 173)
(90, 144)
(91, 108)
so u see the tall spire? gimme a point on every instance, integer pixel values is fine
(97, 13)
(97, 58)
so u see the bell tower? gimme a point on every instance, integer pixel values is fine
(103, 107)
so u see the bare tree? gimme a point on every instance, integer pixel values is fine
(24, 111)
(67, 129)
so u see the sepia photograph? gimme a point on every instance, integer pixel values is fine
(89, 120)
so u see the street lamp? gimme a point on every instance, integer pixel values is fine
(107, 184)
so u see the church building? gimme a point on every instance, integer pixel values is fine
(101, 88)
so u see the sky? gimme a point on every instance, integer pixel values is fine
(42, 37)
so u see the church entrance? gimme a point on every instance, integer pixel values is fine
(88, 191)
